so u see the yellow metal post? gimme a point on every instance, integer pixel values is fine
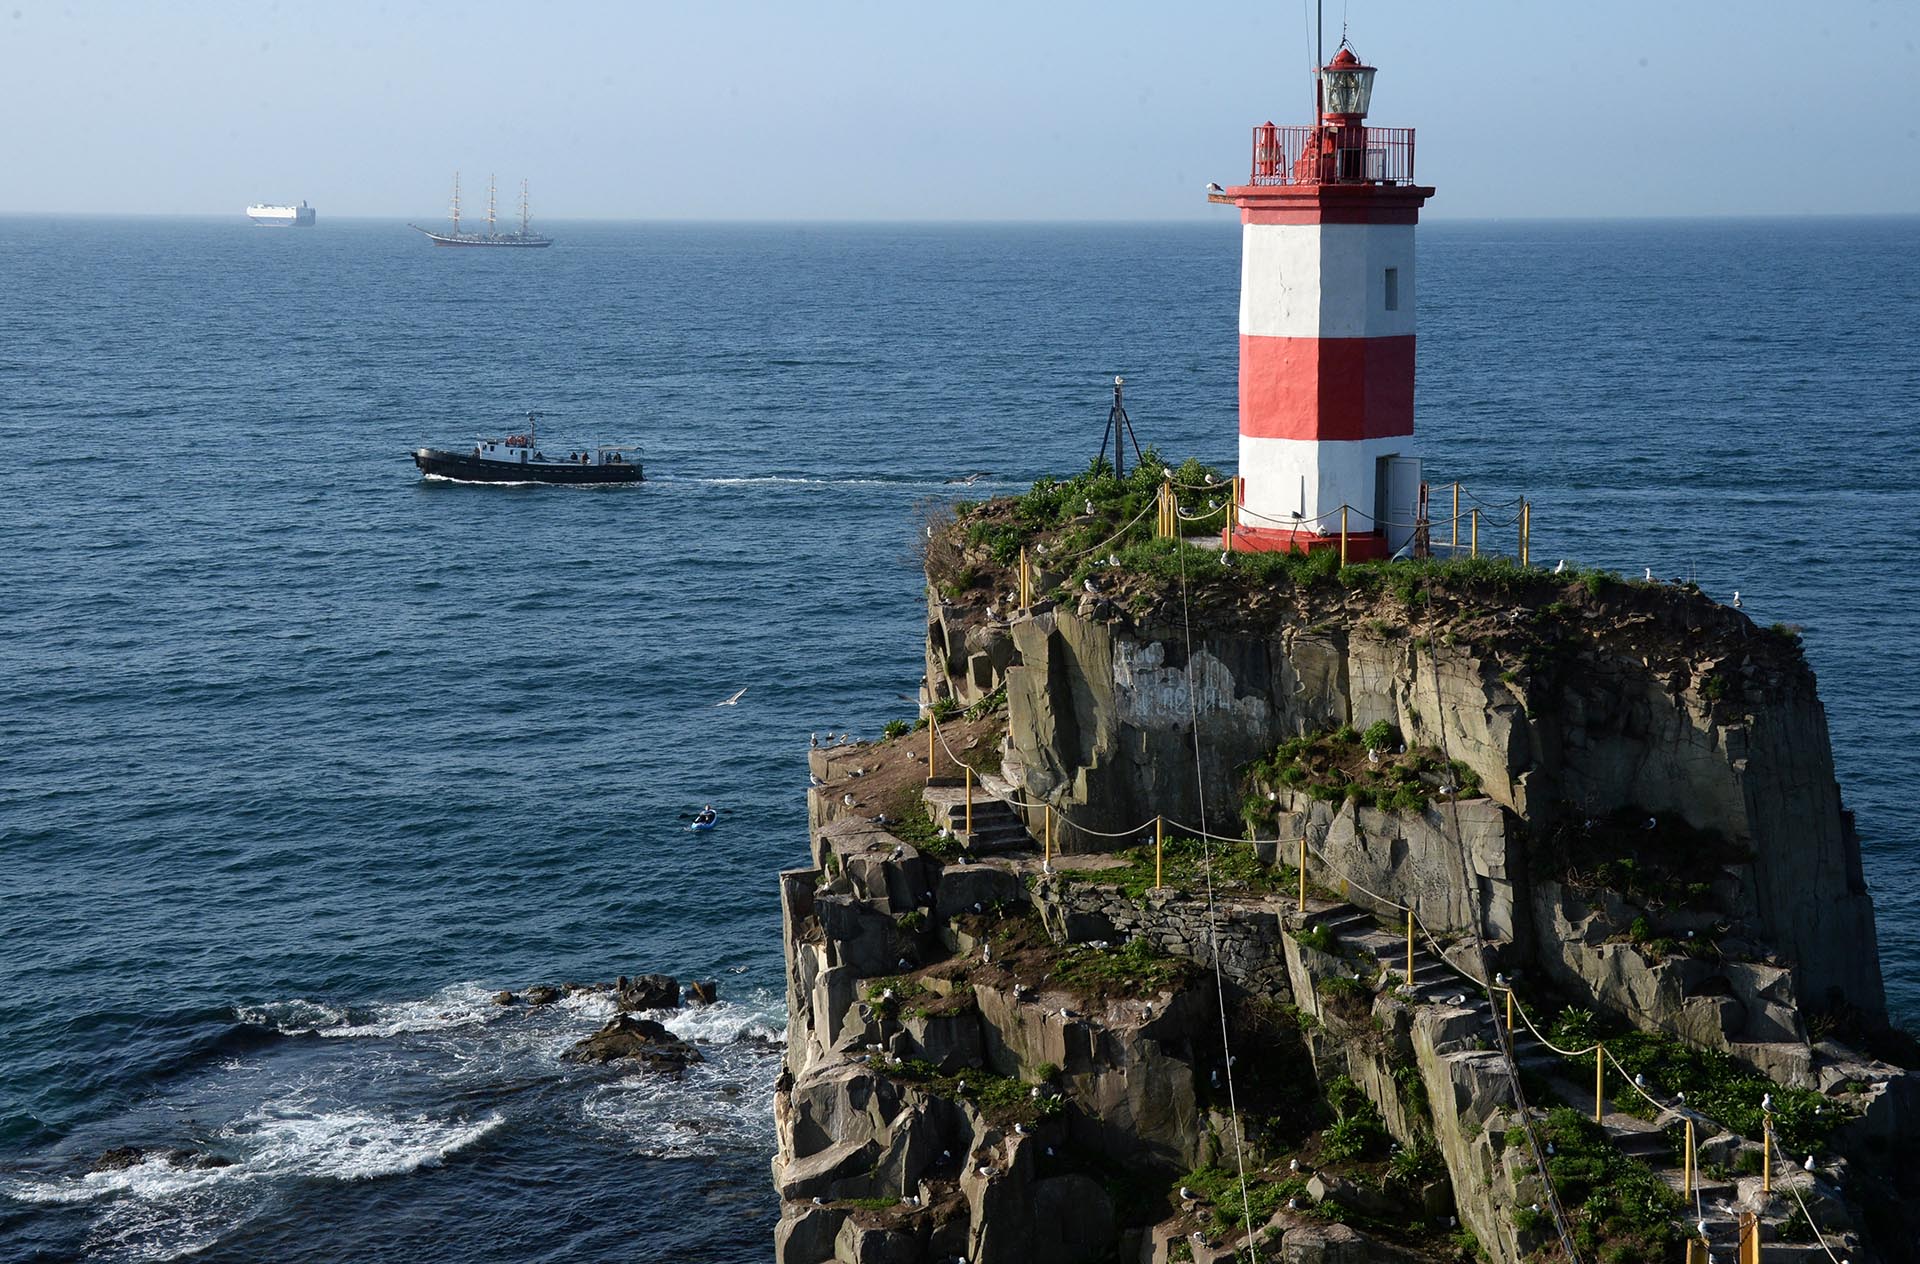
(1159, 844)
(1456, 517)
(1686, 1165)
(1046, 841)
(1343, 535)
(1766, 1156)
(933, 728)
(1526, 529)
(1696, 1251)
(1303, 873)
(1599, 1082)
(1409, 948)
(1024, 601)
(969, 777)
(1509, 1011)
(1476, 532)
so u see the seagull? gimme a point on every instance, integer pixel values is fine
(1500, 980)
(813, 740)
(1550, 1147)
(848, 798)
(1213, 188)
(986, 954)
(1293, 1204)
(1049, 1151)
(1650, 823)
(961, 1087)
(1639, 1080)
(814, 781)
(1736, 599)
(1536, 1208)
(985, 1170)
(819, 1201)
(733, 701)
(1808, 1165)
(909, 1200)
(1089, 509)
(1036, 1096)
(945, 1155)
(1682, 1098)
(1702, 1228)
(1022, 1129)
(1560, 567)
(1293, 1165)
(1187, 1195)
(1766, 1102)
(1373, 756)
(1088, 585)
(1226, 559)
(1460, 999)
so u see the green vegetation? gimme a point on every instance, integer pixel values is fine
(1356, 1131)
(1219, 1188)
(1317, 936)
(871, 1204)
(896, 728)
(987, 705)
(1135, 968)
(911, 824)
(1183, 864)
(1000, 1096)
(1723, 1089)
(1619, 1208)
(1370, 769)
(944, 709)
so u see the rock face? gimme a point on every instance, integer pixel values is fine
(1099, 714)
(994, 1059)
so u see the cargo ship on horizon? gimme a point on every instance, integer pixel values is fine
(300, 216)
(526, 237)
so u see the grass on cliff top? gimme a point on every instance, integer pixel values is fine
(1373, 769)
(1716, 1084)
(1236, 869)
(1002, 1098)
(1134, 969)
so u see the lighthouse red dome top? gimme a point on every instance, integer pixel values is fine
(1346, 87)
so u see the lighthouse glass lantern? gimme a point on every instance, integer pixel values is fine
(1346, 85)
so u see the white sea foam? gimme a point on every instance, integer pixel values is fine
(353, 1146)
(295, 1017)
(461, 1005)
(155, 1177)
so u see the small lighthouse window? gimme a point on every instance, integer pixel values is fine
(1393, 289)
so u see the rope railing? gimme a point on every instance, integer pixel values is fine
(1156, 827)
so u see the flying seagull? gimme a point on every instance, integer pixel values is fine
(734, 701)
(1214, 188)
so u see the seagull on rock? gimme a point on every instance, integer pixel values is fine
(1560, 567)
(1187, 1195)
(1808, 1165)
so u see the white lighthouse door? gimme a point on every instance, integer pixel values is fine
(1400, 499)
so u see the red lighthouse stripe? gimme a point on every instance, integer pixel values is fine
(1326, 388)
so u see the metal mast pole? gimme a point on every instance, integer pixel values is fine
(456, 204)
(490, 231)
(523, 207)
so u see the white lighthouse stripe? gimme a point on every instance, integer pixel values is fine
(1313, 478)
(1326, 280)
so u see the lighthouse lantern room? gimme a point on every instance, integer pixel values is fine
(1326, 329)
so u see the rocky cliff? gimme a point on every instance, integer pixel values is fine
(1612, 802)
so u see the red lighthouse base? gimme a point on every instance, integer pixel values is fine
(1362, 546)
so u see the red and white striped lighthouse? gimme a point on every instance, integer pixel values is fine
(1326, 328)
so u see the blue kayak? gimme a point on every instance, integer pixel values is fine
(701, 824)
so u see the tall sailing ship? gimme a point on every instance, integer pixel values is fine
(492, 237)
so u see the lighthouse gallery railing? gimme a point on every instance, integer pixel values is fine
(1332, 155)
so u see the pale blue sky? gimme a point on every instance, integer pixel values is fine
(985, 110)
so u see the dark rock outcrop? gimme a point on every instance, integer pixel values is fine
(642, 1039)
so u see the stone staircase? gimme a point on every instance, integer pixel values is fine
(1645, 1141)
(997, 828)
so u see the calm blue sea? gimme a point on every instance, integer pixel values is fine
(301, 757)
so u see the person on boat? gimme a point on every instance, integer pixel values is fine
(706, 816)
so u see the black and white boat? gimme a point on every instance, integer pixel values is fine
(517, 458)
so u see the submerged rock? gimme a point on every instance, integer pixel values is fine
(120, 1158)
(642, 1038)
(503, 997)
(703, 991)
(542, 994)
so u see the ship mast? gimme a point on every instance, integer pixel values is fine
(456, 204)
(523, 208)
(490, 231)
